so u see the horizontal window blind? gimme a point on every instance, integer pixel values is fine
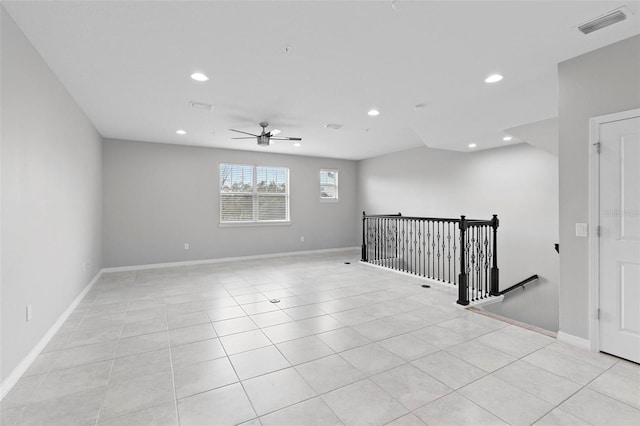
(329, 184)
(253, 194)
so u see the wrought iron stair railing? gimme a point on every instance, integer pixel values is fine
(463, 252)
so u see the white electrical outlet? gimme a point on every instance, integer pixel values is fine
(29, 312)
(186, 246)
(302, 239)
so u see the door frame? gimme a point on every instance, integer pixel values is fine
(594, 219)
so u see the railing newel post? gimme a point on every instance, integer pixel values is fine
(495, 272)
(463, 297)
(364, 237)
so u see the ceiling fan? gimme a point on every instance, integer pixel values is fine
(265, 138)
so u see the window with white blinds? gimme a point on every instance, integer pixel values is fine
(329, 185)
(253, 194)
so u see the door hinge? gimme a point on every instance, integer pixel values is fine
(597, 145)
(598, 230)
(598, 313)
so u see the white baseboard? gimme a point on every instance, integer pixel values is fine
(15, 375)
(574, 340)
(220, 260)
(486, 302)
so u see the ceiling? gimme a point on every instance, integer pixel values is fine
(300, 65)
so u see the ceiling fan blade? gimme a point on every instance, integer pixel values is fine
(287, 139)
(246, 133)
(253, 137)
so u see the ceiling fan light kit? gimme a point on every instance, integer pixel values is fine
(265, 138)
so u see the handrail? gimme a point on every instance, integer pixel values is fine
(520, 284)
(441, 219)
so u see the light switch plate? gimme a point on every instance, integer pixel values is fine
(582, 230)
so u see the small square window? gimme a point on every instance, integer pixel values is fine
(329, 185)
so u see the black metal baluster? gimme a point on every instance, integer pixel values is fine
(455, 258)
(423, 272)
(433, 250)
(443, 250)
(486, 261)
(416, 253)
(473, 263)
(478, 260)
(385, 241)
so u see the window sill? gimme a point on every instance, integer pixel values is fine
(329, 200)
(252, 224)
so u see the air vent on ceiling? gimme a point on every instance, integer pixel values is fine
(201, 105)
(333, 126)
(603, 21)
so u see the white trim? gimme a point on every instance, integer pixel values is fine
(419, 277)
(487, 301)
(593, 242)
(574, 340)
(220, 260)
(15, 375)
(594, 222)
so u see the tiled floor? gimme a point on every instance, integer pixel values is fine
(346, 344)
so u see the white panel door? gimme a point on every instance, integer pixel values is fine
(620, 238)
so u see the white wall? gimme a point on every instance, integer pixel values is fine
(597, 83)
(51, 197)
(518, 183)
(157, 197)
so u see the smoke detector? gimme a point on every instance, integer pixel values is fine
(610, 18)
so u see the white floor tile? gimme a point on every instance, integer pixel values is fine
(227, 405)
(454, 409)
(449, 369)
(511, 404)
(410, 386)
(364, 403)
(258, 362)
(372, 359)
(310, 412)
(274, 391)
(598, 409)
(329, 373)
(304, 349)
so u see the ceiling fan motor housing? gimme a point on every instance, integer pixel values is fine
(263, 140)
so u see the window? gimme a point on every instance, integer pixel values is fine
(253, 194)
(329, 185)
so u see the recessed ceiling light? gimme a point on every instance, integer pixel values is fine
(472, 145)
(493, 78)
(181, 132)
(297, 144)
(275, 132)
(507, 138)
(198, 76)
(373, 112)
